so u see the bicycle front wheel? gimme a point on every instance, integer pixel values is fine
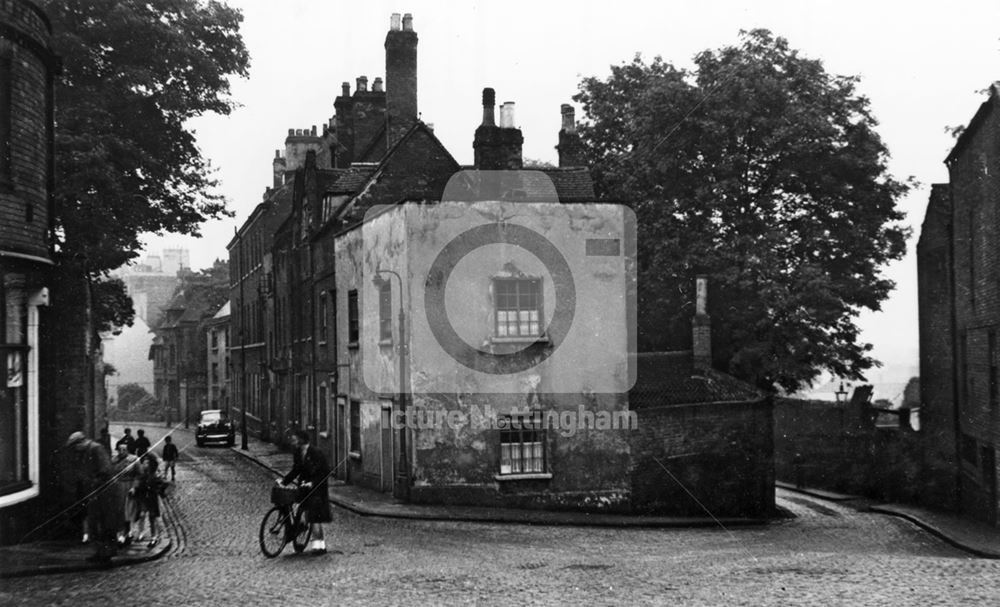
(272, 532)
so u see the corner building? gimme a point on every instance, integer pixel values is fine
(27, 68)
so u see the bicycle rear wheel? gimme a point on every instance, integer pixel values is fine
(303, 531)
(272, 532)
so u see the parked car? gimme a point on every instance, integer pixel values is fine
(215, 427)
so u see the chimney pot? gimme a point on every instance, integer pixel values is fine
(701, 325)
(362, 84)
(489, 100)
(507, 115)
(291, 132)
(568, 118)
(277, 154)
(701, 294)
(407, 22)
(313, 131)
(377, 85)
(345, 89)
(394, 22)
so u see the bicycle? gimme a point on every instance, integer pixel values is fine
(284, 522)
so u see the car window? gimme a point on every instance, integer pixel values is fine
(211, 418)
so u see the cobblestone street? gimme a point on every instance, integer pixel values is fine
(827, 554)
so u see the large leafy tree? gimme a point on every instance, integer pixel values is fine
(764, 172)
(134, 73)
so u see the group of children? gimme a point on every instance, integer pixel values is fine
(139, 485)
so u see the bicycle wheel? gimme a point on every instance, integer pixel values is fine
(303, 531)
(272, 532)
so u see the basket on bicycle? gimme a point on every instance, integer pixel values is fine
(284, 496)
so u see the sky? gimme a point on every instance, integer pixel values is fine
(923, 65)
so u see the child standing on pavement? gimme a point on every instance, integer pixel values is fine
(169, 458)
(147, 494)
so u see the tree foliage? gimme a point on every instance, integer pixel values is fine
(112, 306)
(762, 171)
(130, 395)
(133, 74)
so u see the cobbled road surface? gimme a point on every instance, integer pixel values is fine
(828, 554)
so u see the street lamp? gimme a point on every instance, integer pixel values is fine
(401, 488)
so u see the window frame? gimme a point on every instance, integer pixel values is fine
(354, 425)
(385, 313)
(501, 329)
(353, 319)
(529, 432)
(323, 313)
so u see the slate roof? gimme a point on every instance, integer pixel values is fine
(347, 181)
(572, 184)
(670, 378)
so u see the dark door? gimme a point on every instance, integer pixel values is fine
(989, 465)
(386, 448)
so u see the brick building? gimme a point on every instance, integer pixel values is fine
(218, 369)
(28, 417)
(180, 358)
(332, 262)
(959, 280)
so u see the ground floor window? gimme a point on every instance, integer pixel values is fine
(14, 471)
(522, 445)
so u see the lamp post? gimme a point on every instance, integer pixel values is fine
(401, 488)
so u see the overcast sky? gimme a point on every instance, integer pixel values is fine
(922, 65)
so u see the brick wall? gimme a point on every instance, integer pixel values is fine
(937, 404)
(974, 169)
(24, 67)
(717, 454)
(836, 446)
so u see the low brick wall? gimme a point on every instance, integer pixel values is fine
(837, 447)
(692, 460)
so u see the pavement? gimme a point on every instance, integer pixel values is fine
(975, 537)
(48, 557)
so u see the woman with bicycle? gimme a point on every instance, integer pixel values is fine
(311, 469)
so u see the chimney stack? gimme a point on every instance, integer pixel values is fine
(297, 145)
(497, 148)
(377, 86)
(568, 118)
(701, 327)
(570, 147)
(362, 84)
(343, 120)
(400, 78)
(278, 167)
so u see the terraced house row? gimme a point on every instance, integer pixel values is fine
(427, 321)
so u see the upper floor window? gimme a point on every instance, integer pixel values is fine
(518, 307)
(323, 312)
(353, 328)
(385, 312)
